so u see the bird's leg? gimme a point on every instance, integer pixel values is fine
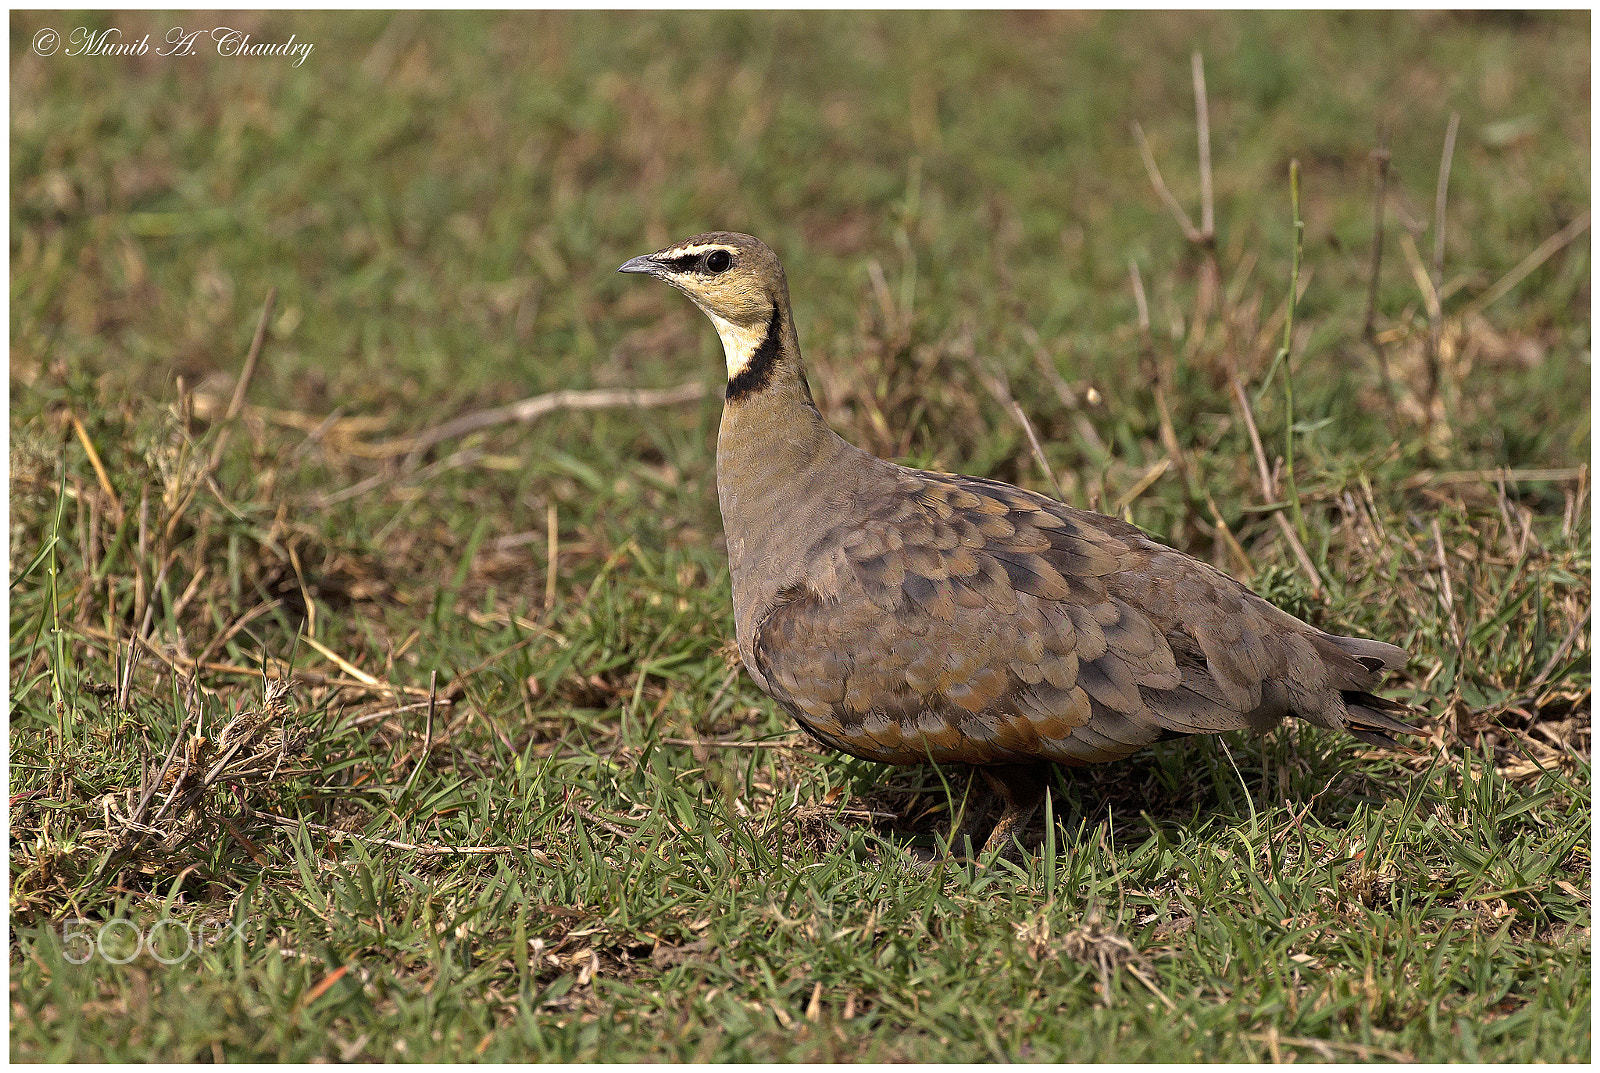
(970, 819)
(1021, 787)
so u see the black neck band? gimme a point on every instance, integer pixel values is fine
(757, 373)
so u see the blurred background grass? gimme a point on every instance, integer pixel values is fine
(441, 202)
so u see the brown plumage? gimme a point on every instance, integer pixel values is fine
(905, 616)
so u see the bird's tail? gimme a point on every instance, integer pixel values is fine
(1367, 718)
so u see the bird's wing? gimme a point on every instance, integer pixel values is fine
(969, 620)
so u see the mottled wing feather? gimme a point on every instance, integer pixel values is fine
(966, 620)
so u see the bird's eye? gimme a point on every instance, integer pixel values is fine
(718, 261)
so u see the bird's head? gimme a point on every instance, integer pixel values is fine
(735, 280)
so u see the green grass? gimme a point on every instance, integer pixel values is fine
(658, 865)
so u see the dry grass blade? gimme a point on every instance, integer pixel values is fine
(880, 291)
(1446, 591)
(271, 668)
(1546, 250)
(244, 841)
(507, 618)
(531, 409)
(995, 381)
(458, 686)
(1441, 194)
(1268, 491)
(1380, 193)
(247, 374)
(1433, 402)
(343, 664)
(1242, 564)
(394, 843)
(99, 468)
(1204, 236)
(1190, 232)
(552, 554)
(712, 743)
(1560, 653)
(1419, 273)
(1142, 485)
(1069, 399)
(147, 790)
(316, 434)
(233, 631)
(310, 627)
(1299, 550)
(235, 404)
(1140, 303)
(125, 677)
(1161, 375)
(1481, 476)
(1202, 112)
(620, 832)
(1326, 1048)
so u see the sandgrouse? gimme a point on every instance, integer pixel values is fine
(905, 616)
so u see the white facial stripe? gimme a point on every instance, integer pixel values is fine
(694, 251)
(738, 343)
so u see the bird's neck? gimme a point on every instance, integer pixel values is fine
(773, 450)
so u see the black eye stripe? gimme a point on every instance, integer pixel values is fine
(697, 262)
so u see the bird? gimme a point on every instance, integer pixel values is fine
(907, 616)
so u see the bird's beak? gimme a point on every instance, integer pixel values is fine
(643, 264)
